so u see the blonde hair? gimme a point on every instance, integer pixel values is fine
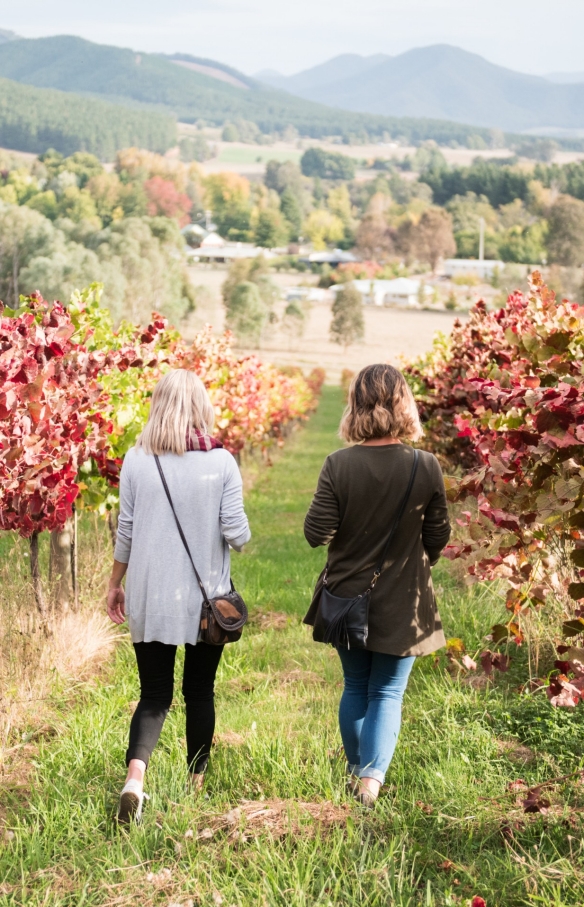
(380, 405)
(180, 402)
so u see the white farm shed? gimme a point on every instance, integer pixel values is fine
(481, 268)
(402, 291)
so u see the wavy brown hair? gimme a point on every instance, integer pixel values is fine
(381, 404)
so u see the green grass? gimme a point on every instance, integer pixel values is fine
(277, 737)
(256, 154)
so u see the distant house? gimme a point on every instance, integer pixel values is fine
(212, 241)
(481, 268)
(334, 258)
(309, 294)
(402, 291)
(215, 248)
(194, 234)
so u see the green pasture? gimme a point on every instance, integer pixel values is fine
(444, 830)
(256, 154)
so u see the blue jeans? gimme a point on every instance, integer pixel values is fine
(370, 709)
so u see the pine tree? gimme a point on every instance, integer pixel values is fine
(348, 324)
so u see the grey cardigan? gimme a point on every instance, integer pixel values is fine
(163, 599)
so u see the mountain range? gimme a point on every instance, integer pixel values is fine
(194, 89)
(444, 82)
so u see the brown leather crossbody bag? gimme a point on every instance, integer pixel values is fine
(222, 618)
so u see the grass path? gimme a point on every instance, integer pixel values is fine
(436, 836)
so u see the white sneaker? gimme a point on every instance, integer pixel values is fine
(131, 800)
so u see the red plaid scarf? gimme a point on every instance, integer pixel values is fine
(196, 440)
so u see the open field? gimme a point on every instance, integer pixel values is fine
(390, 334)
(276, 827)
(249, 160)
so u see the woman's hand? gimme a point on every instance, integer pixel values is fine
(116, 604)
(116, 597)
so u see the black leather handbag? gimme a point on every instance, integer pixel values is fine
(222, 618)
(345, 621)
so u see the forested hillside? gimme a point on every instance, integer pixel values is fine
(34, 119)
(73, 64)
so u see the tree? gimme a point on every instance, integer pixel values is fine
(291, 208)
(228, 196)
(105, 189)
(247, 313)
(429, 157)
(294, 320)
(327, 164)
(374, 238)
(195, 148)
(524, 244)
(255, 270)
(433, 236)
(501, 184)
(271, 229)
(24, 235)
(230, 133)
(467, 209)
(282, 175)
(45, 203)
(77, 204)
(539, 149)
(566, 232)
(164, 198)
(348, 324)
(321, 227)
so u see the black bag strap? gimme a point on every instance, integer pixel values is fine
(180, 531)
(395, 524)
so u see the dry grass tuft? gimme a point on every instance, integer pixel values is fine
(71, 646)
(517, 752)
(229, 738)
(287, 678)
(269, 620)
(278, 818)
(80, 641)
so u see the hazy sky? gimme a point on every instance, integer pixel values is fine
(535, 36)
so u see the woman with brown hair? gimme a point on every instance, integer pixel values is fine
(357, 504)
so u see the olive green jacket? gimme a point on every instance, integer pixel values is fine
(358, 495)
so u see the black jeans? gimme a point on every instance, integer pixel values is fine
(156, 670)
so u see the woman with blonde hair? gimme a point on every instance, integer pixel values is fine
(381, 508)
(163, 598)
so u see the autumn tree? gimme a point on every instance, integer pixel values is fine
(375, 240)
(321, 228)
(347, 325)
(433, 237)
(566, 232)
(165, 199)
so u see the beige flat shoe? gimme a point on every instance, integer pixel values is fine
(366, 798)
(131, 802)
(196, 782)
